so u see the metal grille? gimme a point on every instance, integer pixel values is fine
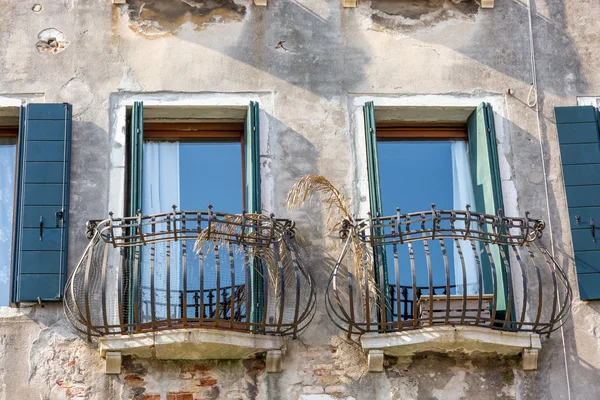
(446, 267)
(191, 269)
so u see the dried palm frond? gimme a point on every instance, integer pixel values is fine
(337, 207)
(336, 204)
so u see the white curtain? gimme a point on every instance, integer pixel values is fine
(160, 191)
(463, 195)
(7, 195)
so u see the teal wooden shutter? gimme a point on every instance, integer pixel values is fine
(487, 187)
(252, 159)
(42, 203)
(580, 154)
(380, 259)
(253, 201)
(136, 158)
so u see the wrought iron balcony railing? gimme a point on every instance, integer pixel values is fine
(191, 270)
(410, 271)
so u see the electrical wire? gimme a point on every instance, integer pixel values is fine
(534, 104)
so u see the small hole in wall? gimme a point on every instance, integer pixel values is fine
(37, 8)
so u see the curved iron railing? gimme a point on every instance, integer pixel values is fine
(410, 271)
(186, 269)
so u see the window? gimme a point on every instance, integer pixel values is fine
(411, 166)
(190, 165)
(8, 152)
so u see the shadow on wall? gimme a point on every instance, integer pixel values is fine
(312, 48)
(302, 46)
(500, 39)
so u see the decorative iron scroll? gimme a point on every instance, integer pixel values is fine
(191, 269)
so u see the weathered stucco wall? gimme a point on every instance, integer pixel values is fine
(312, 58)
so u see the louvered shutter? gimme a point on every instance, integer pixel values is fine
(578, 136)
(42, 203)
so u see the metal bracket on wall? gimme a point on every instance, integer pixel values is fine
(90, 228)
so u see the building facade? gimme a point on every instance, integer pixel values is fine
(119, 282)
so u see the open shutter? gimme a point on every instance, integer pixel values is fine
(372, 160)
(42, 203)
(580, 154)
(252, 159)
(380, 259)
(136, 160)
(483, 153)
(253, 202)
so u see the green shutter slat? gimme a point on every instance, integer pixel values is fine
(40, 258)
(583, 241)
(44, 172)
(589, 286)
(578, 133)
(46, 287)
(30, 216)
(584, 153)
(581, 114)
(42, 194)
(46, 130)
(34, 262)
(579, 175)
(578, 136)
(487, 188)
(583, 196)
(587, 261)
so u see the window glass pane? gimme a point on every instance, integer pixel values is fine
(8, 151)
(191, 176)
(414, 174)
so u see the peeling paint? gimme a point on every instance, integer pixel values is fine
(51, 41)
(409, 15)
(155, 18)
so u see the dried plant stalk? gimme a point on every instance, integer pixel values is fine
(337, 208)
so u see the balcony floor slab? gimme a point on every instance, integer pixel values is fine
(190, 344)
(449, 339)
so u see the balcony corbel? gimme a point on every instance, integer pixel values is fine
(353, 3)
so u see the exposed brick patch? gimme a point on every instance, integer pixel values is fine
(336, 389)
(151, 397)
(208, 382)
(134, 380)
(134, 368)
(196, 368)
(180, 396)
(312, 389)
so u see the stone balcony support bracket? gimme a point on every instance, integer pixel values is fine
(450, 339)
(353, 3)
(190, 344)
